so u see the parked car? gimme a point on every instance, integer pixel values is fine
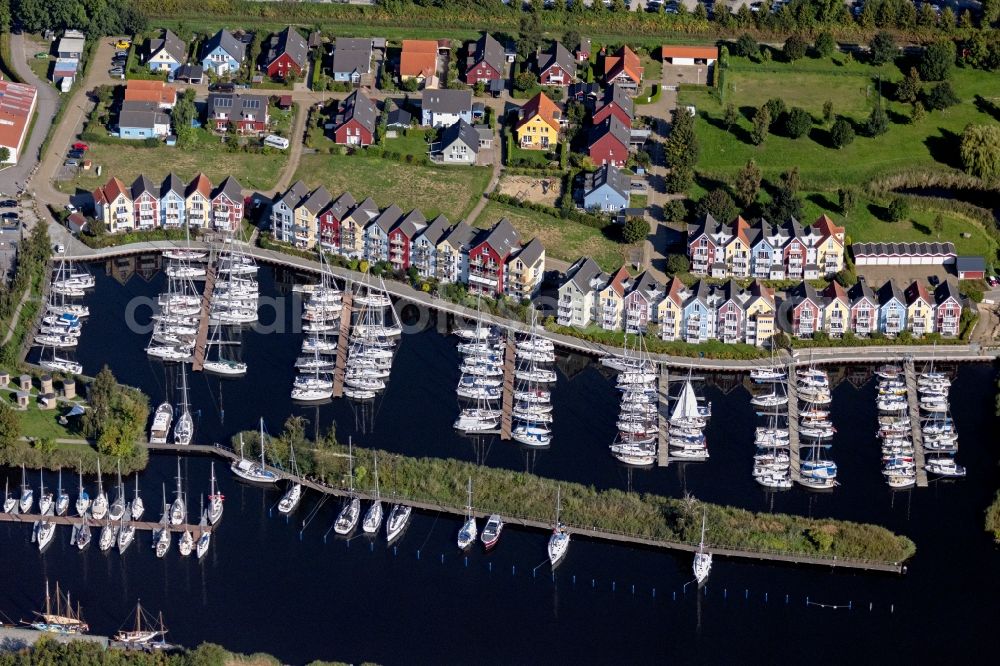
(75, 154)
(993, 281)
(121, 54)
(42, 55)
(79, 145)
(123, 44)
(222, 87)
(59, 248)
(71, 208)
(8, 203)
(116, 71)
(71, 163)
(9, 215)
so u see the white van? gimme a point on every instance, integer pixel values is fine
(275, 141)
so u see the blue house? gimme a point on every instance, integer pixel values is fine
(352, 59)
(606, 190)
(223, 54)
(166, 54)
(142, 120)
(699, 313)
(172, 202)
(891, 309)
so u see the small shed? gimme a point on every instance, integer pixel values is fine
(689, 55)
(76, 222)
(23, 397)
(45, 384)
(47, 401)
(24, 382)
(4, 379)
(970, 268)
(69, 388)
(285, 102)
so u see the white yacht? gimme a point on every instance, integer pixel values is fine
(251, 470)
(162, 418)
(702, 559)
(373, 517)
(559, 539)
(399, 516)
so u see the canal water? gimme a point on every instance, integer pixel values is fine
(268, 584)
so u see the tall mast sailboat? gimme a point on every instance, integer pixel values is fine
(347, 519)
(214, 500)
(250, 470)
(702, 559)
(142, 634)
(293, 495)
(178, 509)
(99, 508)
(184, 430)
(117, 509)
(467, 535)
(559, 540)
(373, 519)
(64, 620)
(62, 498)
(27, 494)
(82, 498)
(138, 507)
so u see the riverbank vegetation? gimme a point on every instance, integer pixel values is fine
(519, 495)
(22, 296)
(117, 414)
(993, 517)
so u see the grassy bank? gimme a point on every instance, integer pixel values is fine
(516, 494)
(993, 517)
(52, 456)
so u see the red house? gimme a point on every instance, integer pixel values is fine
(795, 258)
(488, 256)
(806, 310)
(401, 238)
(556, 68)
(623, 68)
(486, 61)
(616, 103)
(609, 142)
(864, 309)
(948, 309)
(287, 54)
(329, 221)
(227, 205)
(356, 121)
(145, 203)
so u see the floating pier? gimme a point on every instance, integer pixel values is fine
(507, 407)
(916, 431)
(793, 425)
(663, 393)
(201, 342)
(340, 367)
(31, 518)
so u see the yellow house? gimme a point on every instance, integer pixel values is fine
(837, 310)
(738, 249)
(760, 312)
(198, 201)
(307, 217)
(611, 301)
(919, 310)
(670, 311)
(537, 126)
(830, 250)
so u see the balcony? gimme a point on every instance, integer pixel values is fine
(486, 281)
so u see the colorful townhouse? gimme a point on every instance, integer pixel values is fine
(424, 249)
(611, 300)
(113, 206)
(172, 202)
(919, 310)
(948, 309)
(488, 259)
(352, 229)
(401, 237)
(330, 220)
(578, 293)
(453, 253)
(376, 234)
(227, 205)
(538, 124)
(198, 201)
(891, 309)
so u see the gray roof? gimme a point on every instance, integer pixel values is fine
(229, 44)
(436, 230)
(502, 238)
(461, 236)
(531, 252)
(141, 114)
(237, 105)
(288, 41)
(608, 175)
(647, 283)
(172, 184)
(365, 211)
(861, 290)
(173, 45)
(582, 272)
(889, 291)
(558, 55)
(485, 132)
(188, 72)
(317, 200)
(358, 107)
(584, 46)
(342, 206)
(293, 195)
(461, 131)
(399, 118)
(352, 55)
(490, 51)
(895, 249)
(616, 128)
(970, 264)
(945, 290)
(411, 224)
(231, 188)
(389, 217)
(447, 101)
(615, 94)
(143, 184)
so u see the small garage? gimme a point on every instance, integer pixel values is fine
(970, 268)
(903, 254)
(689, 55)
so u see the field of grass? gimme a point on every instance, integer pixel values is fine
(929, 144)
(408, 142)
(563, 239)
(452, 191)
(39, 424)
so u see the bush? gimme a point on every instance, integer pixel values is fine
(761, 125)
(746, 46)
(941, 97)
(776, 107)
(678, 263)
(797, 122)
(718, 204)
(635, 230)
(877, 123)
(882, 48)
(937, 60)
(674, 211)
(795, 48)
(980, 151)
(679, 180)
(824, 45)
(899, 209)
(842, 133)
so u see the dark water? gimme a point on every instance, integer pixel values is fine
(268, 585)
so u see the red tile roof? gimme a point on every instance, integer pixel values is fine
(418, 57)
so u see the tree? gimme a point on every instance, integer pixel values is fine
(746, 46)
(847, 199)
(748, 184)
(10, 424)
(718, 204)
(827, 111)
(918, 113)
(525, 80)
(980, 151)
(927, 17)
(794, 48)
(877, 123)
(938, 224)
(679, 179)
(678, 263)
(674, 211)
(937, 60)
(991, 12)
(4, 154)
(842, 133)
(898, 209)
(797, 122)
(941, 96)
(635, 230)
(681, 146)
(101, 402)
(761, 125)
(700, 13)
(824, 46)
(786, 202)
(731, 116)
(775, 107)
(882, 48)
(908, 89)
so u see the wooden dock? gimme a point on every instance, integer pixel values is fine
(795, 468)
(31, 518)
(343, 338)
(663, 393)
(507, 405)
(916, 431)
(201, 342)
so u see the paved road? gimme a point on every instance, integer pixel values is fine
(14, 177)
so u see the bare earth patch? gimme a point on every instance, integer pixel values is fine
(543, 190)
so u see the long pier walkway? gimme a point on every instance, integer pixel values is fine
(507, 405)
(76, 520)
(663, 395)
(201, 342)
(916, 425)
(343, 338)
(793, 425)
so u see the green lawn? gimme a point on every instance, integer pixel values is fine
(39, 423)
(563, 239)
(127, 160)
(930, 144)
(409, 142)
(450, 190)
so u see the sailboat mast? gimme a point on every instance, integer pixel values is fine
(262, 442)
(350, 463)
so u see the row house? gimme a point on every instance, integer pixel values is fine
(611, 300)
(424, 251)
(616, 102)
(764, 250)
(352, 228)
(170, 204)
(525, 270)
(453, 253)
(578, 293)
(295, 215)
(488, 259)
(947, 309)
(401, 238)
(376, 234)
(330, 220)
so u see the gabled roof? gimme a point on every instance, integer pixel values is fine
(341, 207)
(488, 50)
(804, 291)
(531, 252)
(618, 281)
(761, 292)
(611, 176)
(859, 291)
(705, 52)
(624, 61)
(708, 225)
(293, 195)
(231, 189)
(946, 290)
(825, 226)
(502, 238)
(172, 184)
(317, 200)
(673, 291)
(388, 218)
(541, 106)
(899, 249)
(558, 55)
(410, 225)
(611, 125)
(111, 191)
(915, 291)
(237, 106)
(447, 101)
(352, 55)
(171, 44)
(645, 285)
(200, 184)
(836, 292)
(289, 41)
(143, 185)
(227, 42)
(436, 230)
(584, 45)
(137, 90)
(461, 236)
(582, 272)
(615, 94)
(418, 57)
(461, 131)
(889, 291)
(969, 263)
(365, 212)
(359, 108)
(142, 114)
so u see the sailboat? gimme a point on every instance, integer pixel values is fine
(162, 544)
(82, 498)
(184, 430)
(702, 560)
(45, 531)
(178, 509)
(214, 500)
(467, 535)
(64, 620)
(44, 499)
(251, 470)
(138, 508)
(559, 540)
(141, 634)
(221, 365)
(347, 519)
(62, 498)
(399, 516)
(205, 536)
(9, 503)
(126, 534)
(27, 494)
(83, 535)
(99, 507)
(108, 536)
(373, 518)
(117, 509)
(293, 495)
(186, 544)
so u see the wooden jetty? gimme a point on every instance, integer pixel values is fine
(340, 366)
(793, 426)
(201, 342)
(916, 431)
(507, 407)
(31, 518)
(663, 393)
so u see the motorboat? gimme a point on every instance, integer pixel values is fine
(491, 531)
(399, 516)
(944, 467)
(57, 341)
(639, 455)
(161, 424)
